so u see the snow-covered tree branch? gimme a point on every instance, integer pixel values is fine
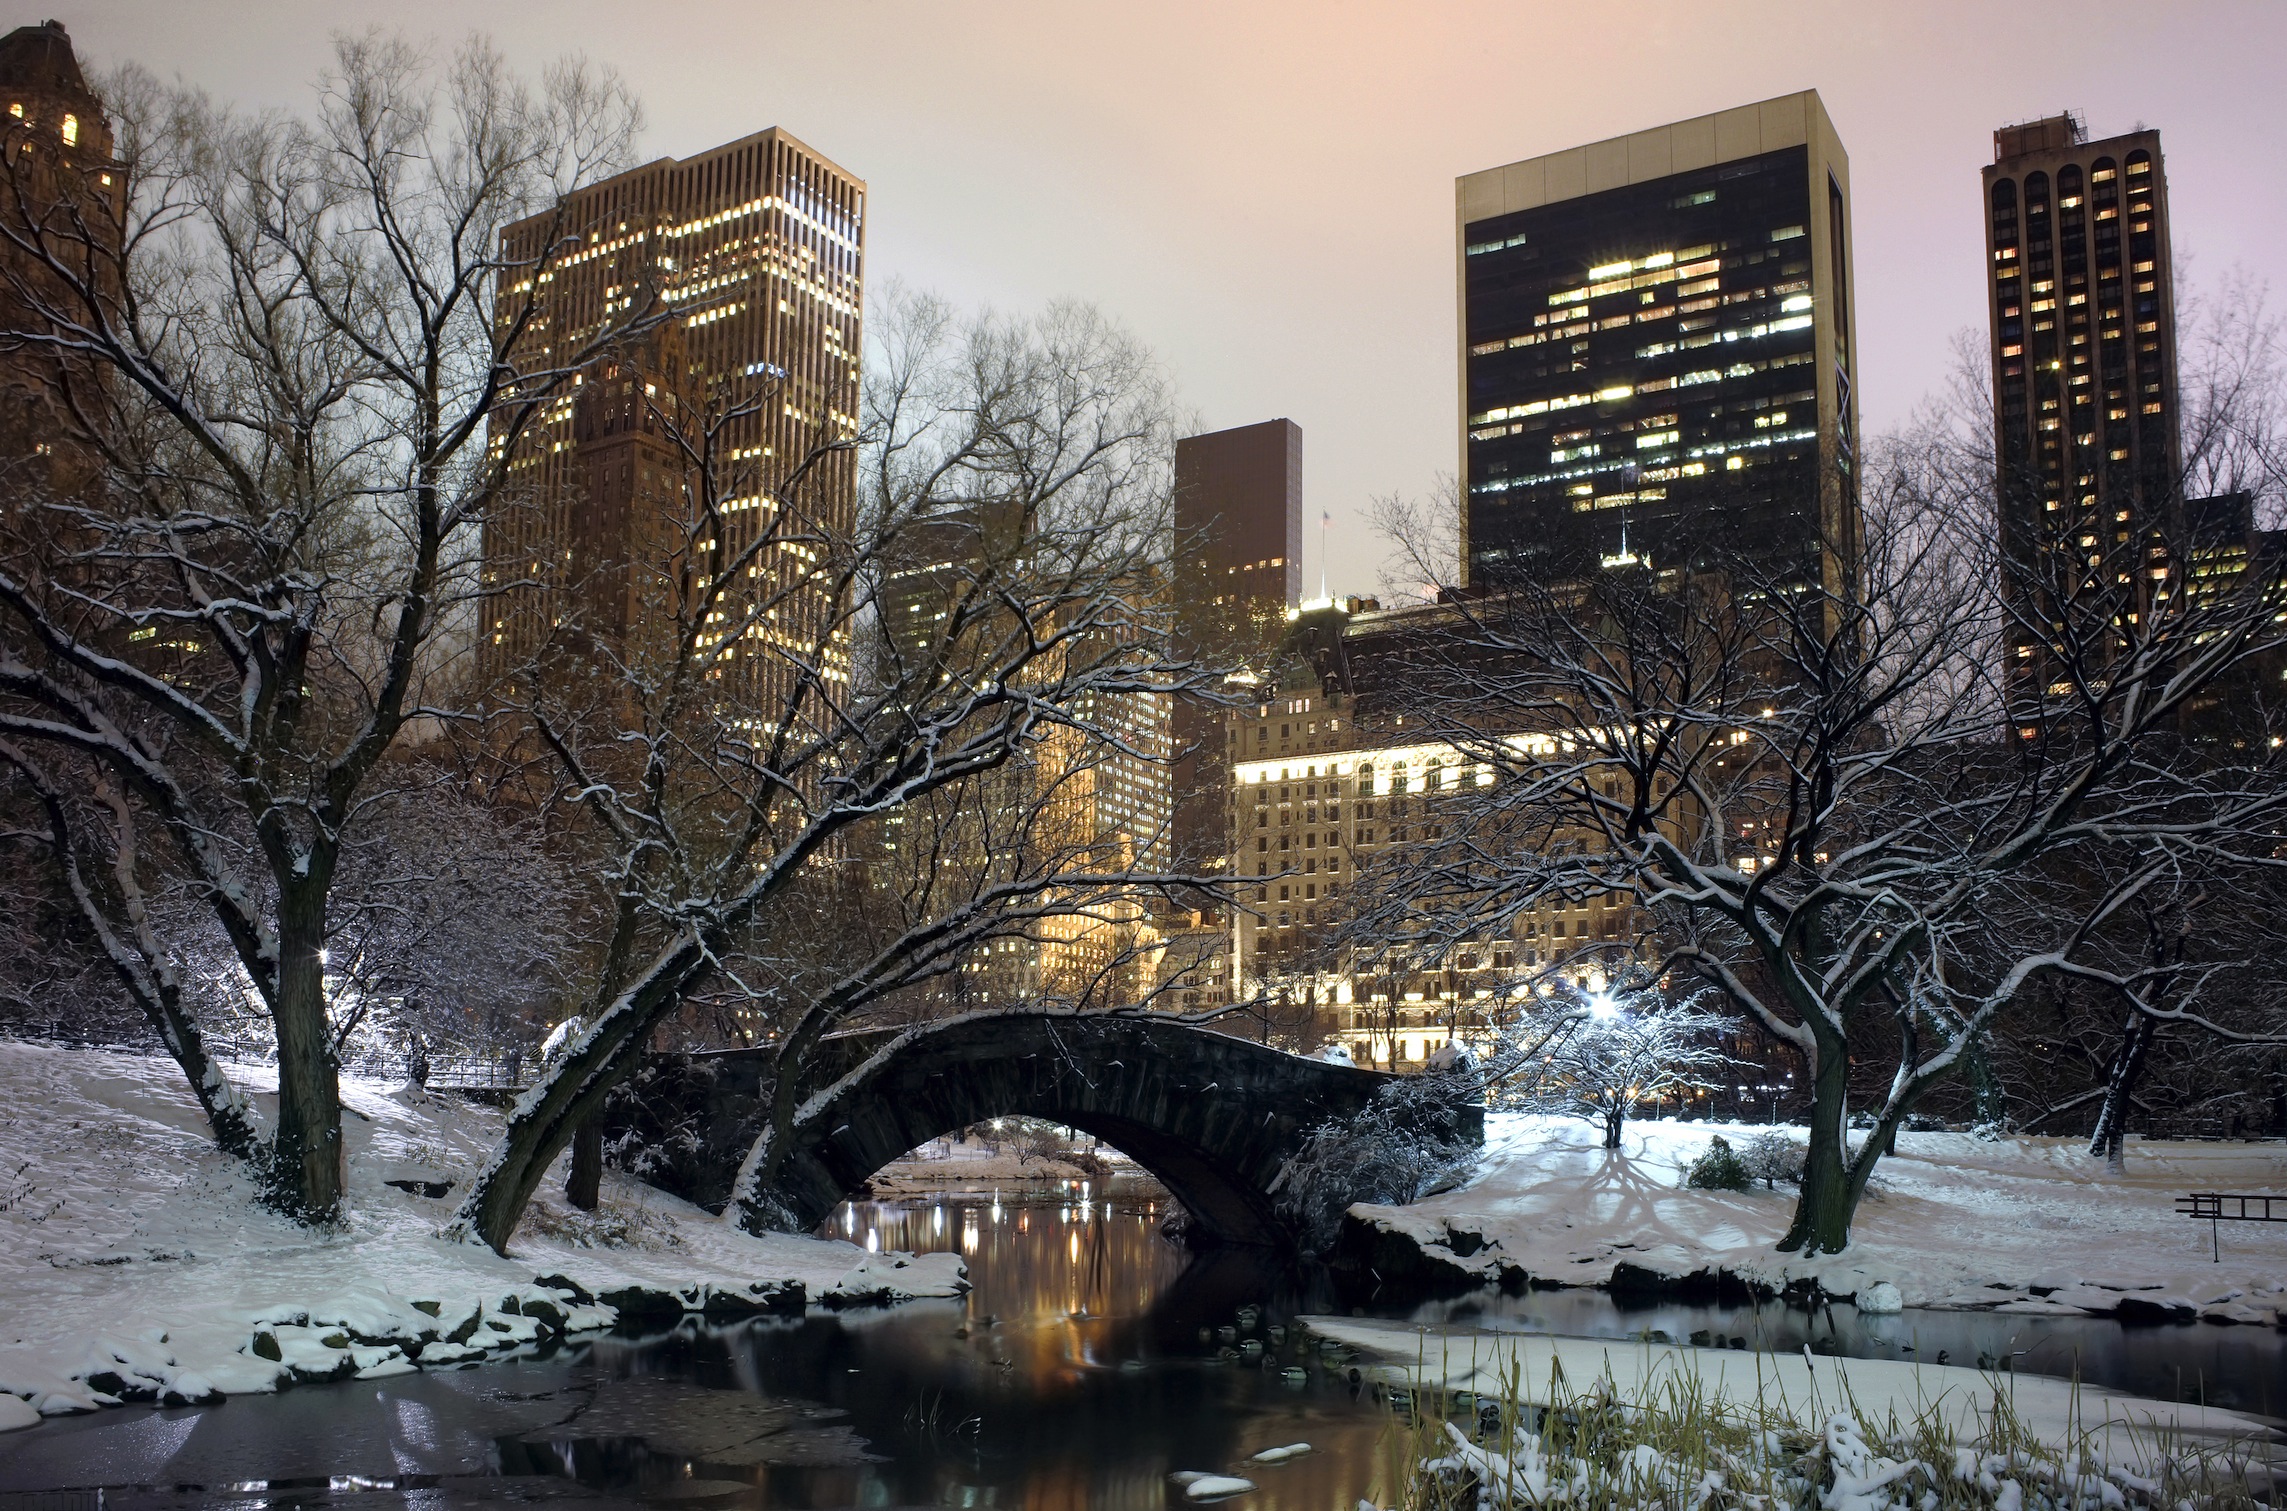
(272, 360)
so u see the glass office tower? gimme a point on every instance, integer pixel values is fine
(1656, 353)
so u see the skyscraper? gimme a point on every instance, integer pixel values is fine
(2086, 434)
(1657, 351)
(1238, 530)
(64, 192)
(758, 249)
(1238, 527)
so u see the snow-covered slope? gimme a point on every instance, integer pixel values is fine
(134, 1256)
(2031, 1224)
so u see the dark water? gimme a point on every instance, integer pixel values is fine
(1074, 1375)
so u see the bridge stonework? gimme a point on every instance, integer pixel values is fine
(1214, 1117)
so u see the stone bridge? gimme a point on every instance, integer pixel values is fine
(1214, 1117)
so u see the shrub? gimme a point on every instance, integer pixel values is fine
(1772, 1158)
(1405, 1145)
(1719, 1169)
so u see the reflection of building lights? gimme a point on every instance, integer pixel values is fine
(873, 1241)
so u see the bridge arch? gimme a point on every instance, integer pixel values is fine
(1214, 1117)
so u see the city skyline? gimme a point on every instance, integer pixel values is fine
(1297, 302)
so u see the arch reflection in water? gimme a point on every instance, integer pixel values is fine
(1048, 1252)
(1072, 1375)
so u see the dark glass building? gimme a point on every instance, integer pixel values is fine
(1238, 570)
(1657, 352)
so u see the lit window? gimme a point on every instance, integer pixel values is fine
(71, 131)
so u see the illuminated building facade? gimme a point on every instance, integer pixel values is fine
(64, 189)
(1064, 804)
(1657, 352)
(2086, 432)
(1324, 778)
(757, 248)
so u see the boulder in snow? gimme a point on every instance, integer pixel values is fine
(16, 1412)
(1881, 1299)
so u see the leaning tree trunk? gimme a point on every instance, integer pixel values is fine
(306, 1156)
(1828, 1199)
(572, 1093)
(226, 1112)
(2120, 1080)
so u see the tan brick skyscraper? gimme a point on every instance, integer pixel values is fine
(59, 189)
(758, 248)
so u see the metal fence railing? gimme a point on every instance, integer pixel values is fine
(2215, 1208)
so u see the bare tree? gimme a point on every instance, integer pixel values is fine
(1813, 793)
(277, 342)
(1600, 1055)
(452, 925)
(989, 639)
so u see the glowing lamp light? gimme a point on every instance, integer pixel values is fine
(1602, 1008)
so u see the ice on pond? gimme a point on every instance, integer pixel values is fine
(1200, 1486)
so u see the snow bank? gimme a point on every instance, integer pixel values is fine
(2057, 1412)
(137, 1264)
(2031, 1225)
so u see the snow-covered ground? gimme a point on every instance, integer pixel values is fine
(2025, 1224)
(2119, 1427)
(135, 1261)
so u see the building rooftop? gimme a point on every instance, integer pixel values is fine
(2051, 133)
(40, 57)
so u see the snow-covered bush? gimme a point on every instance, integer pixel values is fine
(1404, 1145)
(1542, 1444)
(1719, 1169)
(1773, 1158)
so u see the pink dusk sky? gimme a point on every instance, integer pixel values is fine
(1264, 192)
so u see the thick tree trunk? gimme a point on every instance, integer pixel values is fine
(1614, 1118)
(759, 1210)
(306, 1157)
(1827, 1201)
(584, 1187)
(2107, 1141)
